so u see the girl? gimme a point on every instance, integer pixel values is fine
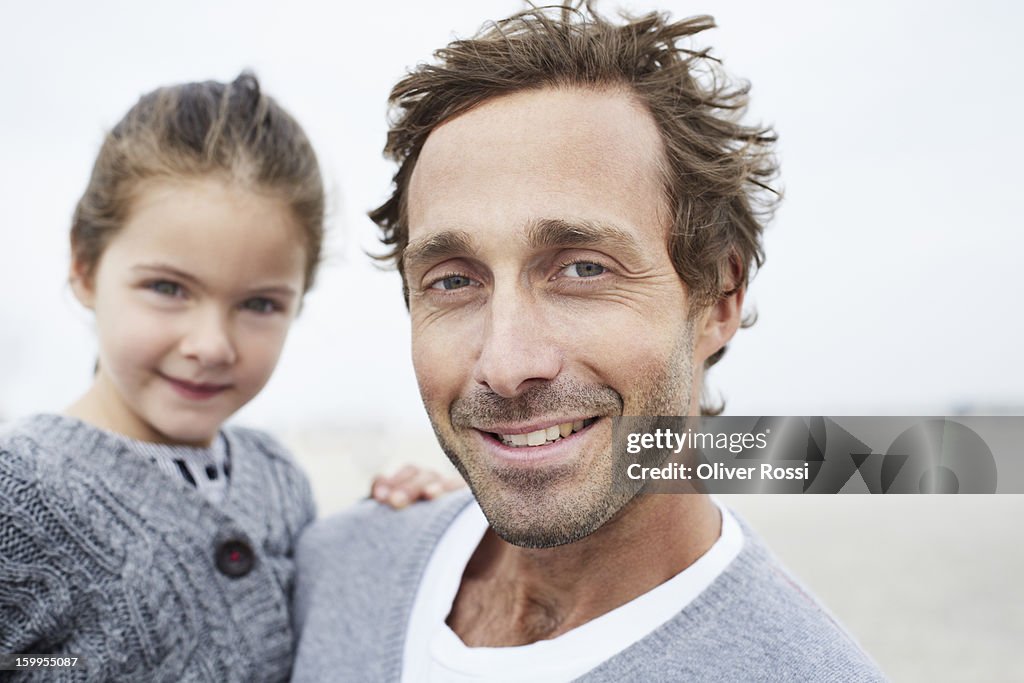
(136, 532)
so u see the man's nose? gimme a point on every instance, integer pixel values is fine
(208, 339)
(519, 348)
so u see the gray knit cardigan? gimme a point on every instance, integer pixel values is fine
(104, 556)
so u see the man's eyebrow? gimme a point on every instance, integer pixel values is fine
(437, 247)
(548, 233)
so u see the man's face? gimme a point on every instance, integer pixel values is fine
(544, 302)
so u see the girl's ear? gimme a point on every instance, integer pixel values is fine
(82, 284)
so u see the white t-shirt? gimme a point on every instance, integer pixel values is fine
(434, 654)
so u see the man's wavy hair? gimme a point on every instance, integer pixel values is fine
(716, 169)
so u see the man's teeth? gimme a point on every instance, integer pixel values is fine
(543, 436)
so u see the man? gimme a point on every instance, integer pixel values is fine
(575, 216)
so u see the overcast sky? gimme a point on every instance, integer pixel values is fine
(891, 284)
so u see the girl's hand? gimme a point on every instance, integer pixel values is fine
(410, 484)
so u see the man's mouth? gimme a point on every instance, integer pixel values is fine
(541, 437)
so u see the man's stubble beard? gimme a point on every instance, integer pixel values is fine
(552, 506)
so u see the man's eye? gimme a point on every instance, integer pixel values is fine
(166, 288)
(583, 269)
(260, 304)
(452, 282)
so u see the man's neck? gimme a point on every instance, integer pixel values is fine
(515, 596)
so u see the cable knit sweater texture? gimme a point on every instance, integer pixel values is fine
(104, 556)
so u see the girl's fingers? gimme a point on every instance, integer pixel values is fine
(450, 484)
(380, 489)
(385, 484)
(424, 486)
(410, 483)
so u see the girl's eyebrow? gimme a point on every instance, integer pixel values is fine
(279, 290)
(165, 269)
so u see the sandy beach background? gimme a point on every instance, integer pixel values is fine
(929, 585)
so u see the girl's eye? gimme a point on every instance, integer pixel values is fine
(260, 304)
(582, 269)
(452, 282)
(166, 288)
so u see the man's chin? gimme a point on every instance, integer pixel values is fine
(542, 505)
(537, 538)
(542, 516)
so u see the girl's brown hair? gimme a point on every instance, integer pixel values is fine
(193, 130)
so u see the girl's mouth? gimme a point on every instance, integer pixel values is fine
(193, 390)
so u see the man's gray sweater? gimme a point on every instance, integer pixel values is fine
(358, 573)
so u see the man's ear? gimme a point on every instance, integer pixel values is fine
(717, 324)
(82, 283)
(719, 321)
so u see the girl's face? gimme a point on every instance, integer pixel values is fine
(193, 300)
